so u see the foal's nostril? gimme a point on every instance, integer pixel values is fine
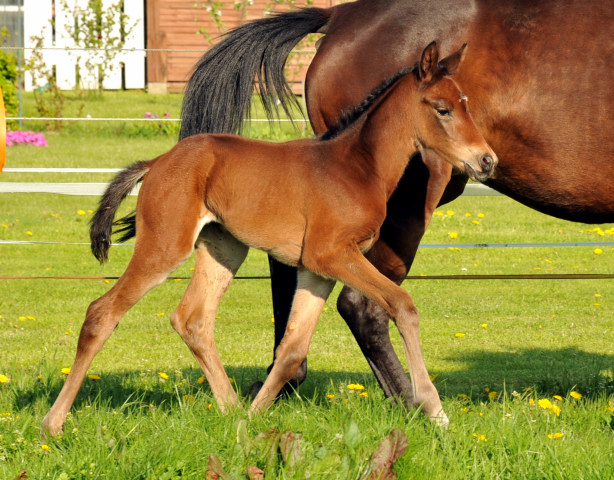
(487, 163)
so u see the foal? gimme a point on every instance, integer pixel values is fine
(314, 203)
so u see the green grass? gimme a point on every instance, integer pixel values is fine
(526, 340)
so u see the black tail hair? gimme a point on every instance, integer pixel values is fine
(102, 222)
(217, 97)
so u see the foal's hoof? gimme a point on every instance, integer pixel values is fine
(48, 430)
(441, 420)
(255, 389)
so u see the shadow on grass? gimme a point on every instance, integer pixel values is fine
(548, 371)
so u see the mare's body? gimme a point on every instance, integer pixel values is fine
(538, 75)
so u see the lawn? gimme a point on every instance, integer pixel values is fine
(510, 357)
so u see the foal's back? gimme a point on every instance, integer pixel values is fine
(268, 195)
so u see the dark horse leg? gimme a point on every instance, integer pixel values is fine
(422, 188)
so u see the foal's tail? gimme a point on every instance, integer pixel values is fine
(101, 225)
(218, 95)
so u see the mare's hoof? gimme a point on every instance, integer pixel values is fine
(255, 389)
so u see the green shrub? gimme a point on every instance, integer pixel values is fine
(8, 82)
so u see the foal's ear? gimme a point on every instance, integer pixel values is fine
(451, 64)
(428, 62)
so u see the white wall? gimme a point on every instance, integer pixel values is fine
(37, 22)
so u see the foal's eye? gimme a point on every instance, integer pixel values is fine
(443, 112)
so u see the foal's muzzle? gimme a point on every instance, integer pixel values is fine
(486, 164)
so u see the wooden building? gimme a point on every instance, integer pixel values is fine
(188, 28)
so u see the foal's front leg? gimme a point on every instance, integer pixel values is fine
(367, 280)
(218, 257)
(311, 294)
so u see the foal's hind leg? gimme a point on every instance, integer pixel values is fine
(311, 294)
(146, 270)
(218, 257)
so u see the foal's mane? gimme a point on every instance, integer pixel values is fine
(349, 116)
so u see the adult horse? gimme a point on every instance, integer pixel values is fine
(538, 76)
(212, 193)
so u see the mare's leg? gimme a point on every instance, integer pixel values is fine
(218, 257)
(311, 294)
(148, 267)
(398, 304)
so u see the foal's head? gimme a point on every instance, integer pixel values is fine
(443, 124)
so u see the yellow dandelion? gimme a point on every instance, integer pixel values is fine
(201, 380)
(45, 447)
(598, 295)
(554, 436)
(330, 396)
(463, 396)
(556, 410)
(231, 380)
(364, 394)
(450, 212)
(65, 370)
(356, 386)
(460, 335)
(531, 401)
(576, 395)
(433, 376)
(545, 404)
(161, 314)
(481, 215)
(210, 406)
(188, 398)
(598, 251)
(467, 214)
(90, 211)
(94, 377)
(493, 395)
(22, 319)
(453, 235)
(39, 378)
(476, 222)
(29, 233)
(480, 438)
(3, 378)
(272, 319)
(30, 317)
(80, 212)
(558, 397)
(163, 375)
(484, 325)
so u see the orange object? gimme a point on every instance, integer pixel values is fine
(2, 132)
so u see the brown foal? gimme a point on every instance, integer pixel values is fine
(316, 204)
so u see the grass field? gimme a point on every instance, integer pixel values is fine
(510, 356)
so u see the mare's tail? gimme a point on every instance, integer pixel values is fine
(102, 222)
(218, 95)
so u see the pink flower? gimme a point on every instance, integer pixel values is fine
(18, 137)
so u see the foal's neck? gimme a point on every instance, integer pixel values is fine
(387, 136)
